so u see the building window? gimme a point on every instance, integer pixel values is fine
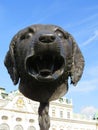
(61, 113)
(31, 120)
(35, 107)
(4, 127)
(18, 119)
(68, 115)
(4, 117)
(18, 127)
(31, 128)
(53, 112)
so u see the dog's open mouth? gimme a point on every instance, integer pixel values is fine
(45, 67)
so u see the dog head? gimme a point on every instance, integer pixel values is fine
(43, 57)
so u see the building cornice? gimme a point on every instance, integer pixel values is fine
(62, 104)
(18, 111)
(89, 122)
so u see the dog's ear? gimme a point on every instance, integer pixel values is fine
(10, 62)
(77, 65)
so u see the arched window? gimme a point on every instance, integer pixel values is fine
(53, 129)
(4, 126)
(31, 128)
(61, 128)
(18, 127)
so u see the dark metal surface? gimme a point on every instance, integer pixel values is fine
(42, 58)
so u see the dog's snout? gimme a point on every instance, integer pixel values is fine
(47, 38)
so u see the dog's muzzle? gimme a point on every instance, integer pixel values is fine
(47, 63)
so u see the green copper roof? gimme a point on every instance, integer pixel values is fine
(96, 115)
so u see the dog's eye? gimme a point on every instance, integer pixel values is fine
(26, 36)
(61, 34)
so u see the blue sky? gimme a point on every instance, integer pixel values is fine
(80, 18)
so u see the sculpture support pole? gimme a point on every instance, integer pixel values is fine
(44, 119)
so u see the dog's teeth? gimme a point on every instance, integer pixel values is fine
(52, 68)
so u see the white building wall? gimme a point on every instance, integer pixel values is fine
(16, 110)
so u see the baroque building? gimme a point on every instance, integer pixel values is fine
(20, 113)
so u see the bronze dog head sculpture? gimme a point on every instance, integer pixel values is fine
(42, 58)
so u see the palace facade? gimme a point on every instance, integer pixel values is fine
(20, 113)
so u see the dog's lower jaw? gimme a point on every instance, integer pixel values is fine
(58, 93)
(43, 92)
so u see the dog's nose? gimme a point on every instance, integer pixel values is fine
(47, 38)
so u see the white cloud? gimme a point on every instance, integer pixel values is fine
(92, 38)
(89, 82)
(85, 21)
(89, 111)
(88, 19)
(85, 86)
(92, 72)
